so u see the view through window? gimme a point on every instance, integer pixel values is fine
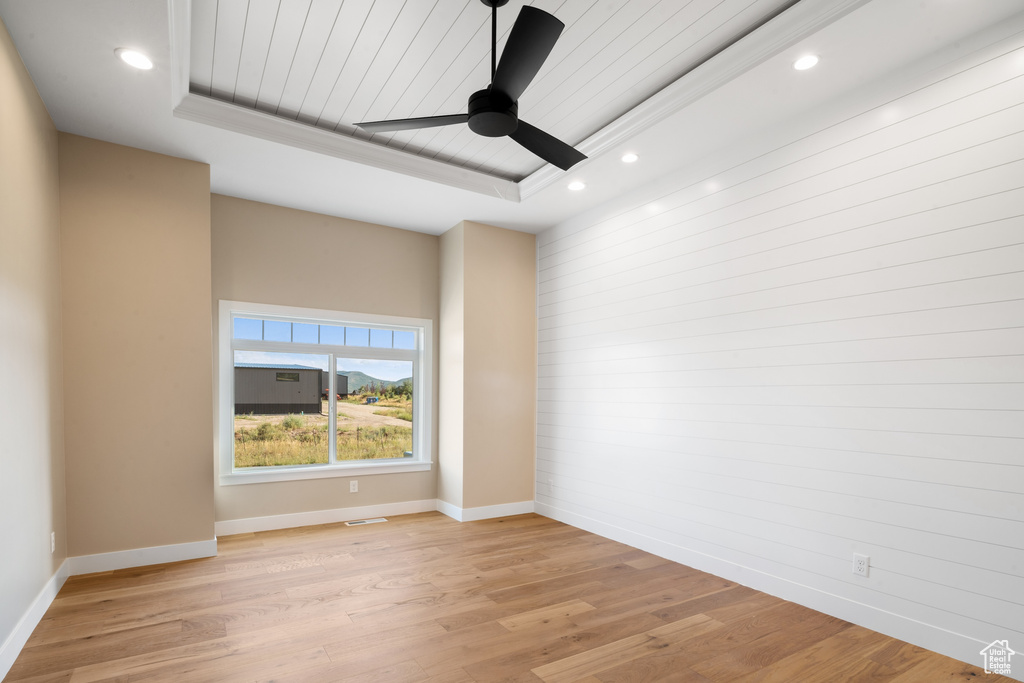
(290, 410)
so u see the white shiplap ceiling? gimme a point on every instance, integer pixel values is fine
(331, 63)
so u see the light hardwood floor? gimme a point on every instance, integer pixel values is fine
(425, 598)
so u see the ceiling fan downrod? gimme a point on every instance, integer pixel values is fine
(494, 5)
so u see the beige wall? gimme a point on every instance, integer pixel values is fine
(273, 255)
(489, 285)
(31, 419)
(135, 252)
(501, 363)
(450, 374)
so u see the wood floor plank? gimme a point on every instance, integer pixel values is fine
(626, 650)
(651, 670)
(379, 643)
(275, 661)
(554, 585)
(678, 656)
(402, 672)
(207, 660)
(545, 614)
(904, 659)
(645, 582)
(454, 676)
(938, 669)
(565, 593)
(701, 601)
(497, 655)
(807, 630)
(595, 635)
(422, 597)
(844, 656)
(72, 653)
(55, 677)
(648, 561)
(616, 611)
(419, 608)
(362, 656)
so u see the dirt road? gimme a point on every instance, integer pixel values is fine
(362, 415)
(349, 415)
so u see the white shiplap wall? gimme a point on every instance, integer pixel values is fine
(812, 351)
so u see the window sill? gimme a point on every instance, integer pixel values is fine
(264, 475)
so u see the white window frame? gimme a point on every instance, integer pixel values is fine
(225, 420)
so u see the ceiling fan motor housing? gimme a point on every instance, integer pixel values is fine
(492, 114)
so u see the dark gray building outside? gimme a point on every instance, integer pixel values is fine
(277, 390)
(341, 387)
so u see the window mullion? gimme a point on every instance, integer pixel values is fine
(417, 406)
(332, 409)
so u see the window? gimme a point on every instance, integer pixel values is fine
(309, 393)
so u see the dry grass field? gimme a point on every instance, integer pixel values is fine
(365, 432)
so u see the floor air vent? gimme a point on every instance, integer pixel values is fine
(359, 522)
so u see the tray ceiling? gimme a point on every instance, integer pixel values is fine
(330, 63)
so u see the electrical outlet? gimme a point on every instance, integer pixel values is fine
(353, 486)
(53, 542)
(861, 564)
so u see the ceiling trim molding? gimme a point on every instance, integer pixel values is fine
(213, 112)
(179, 14)
(783, 31)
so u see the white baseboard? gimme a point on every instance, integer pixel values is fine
(140, 557)
(955, 645)
(290, 521)
(485, 512)
(248, 525)
(448, 509)
(16, 640)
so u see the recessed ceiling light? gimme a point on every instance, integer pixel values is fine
(134, 58)
(805, 62)
(577, 185)
(629, 158)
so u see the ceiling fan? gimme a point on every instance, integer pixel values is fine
(493, 111)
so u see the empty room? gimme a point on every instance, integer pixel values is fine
(462, 341)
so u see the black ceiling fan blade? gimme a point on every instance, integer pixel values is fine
(529, 44)
(547, 147)
(410, 124)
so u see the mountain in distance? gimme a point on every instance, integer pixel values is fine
(357, 380)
